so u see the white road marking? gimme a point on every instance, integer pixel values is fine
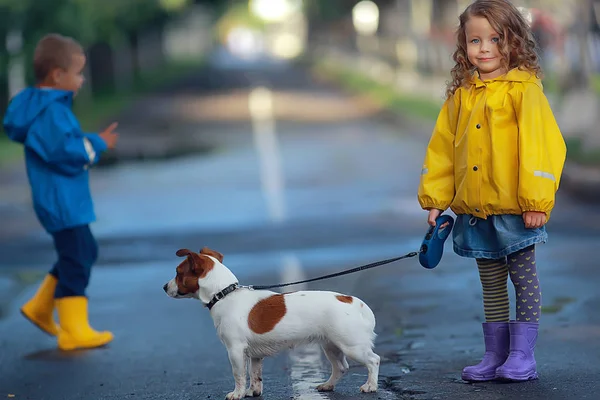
(260, 104)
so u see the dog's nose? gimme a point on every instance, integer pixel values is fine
(165, 287)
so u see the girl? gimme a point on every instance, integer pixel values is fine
(495, 158)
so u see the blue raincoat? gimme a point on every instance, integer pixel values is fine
(57, 155)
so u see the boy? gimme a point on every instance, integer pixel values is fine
(58, 155)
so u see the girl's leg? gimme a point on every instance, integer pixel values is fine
(493, 275)
(523, 274)
(521, 364)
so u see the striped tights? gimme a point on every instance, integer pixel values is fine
(521, 267)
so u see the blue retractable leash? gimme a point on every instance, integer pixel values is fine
(432, 248)
(430, 253)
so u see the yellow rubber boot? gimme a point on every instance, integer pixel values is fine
(40, 309)
(75, 332)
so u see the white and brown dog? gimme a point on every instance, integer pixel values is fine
(253, 324)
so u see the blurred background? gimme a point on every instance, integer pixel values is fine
(288, 135)
(403, 45)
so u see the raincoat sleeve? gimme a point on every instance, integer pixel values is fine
(436, 189)
(61, 143)
(542, 151)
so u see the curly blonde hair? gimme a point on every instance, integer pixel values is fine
(516, 45)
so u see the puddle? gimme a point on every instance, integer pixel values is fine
(392, 384)
(307, 372)
(28, 277)
(557, 305)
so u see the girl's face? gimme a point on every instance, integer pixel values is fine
(482, 48)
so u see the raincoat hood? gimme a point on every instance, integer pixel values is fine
(27, 105)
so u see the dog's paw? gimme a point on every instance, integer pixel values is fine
(368, 388)
(253, 392)
(325, 387)
(235, 395)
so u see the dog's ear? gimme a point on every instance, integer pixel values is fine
(199, 265)
(183, 253)
(212, 253)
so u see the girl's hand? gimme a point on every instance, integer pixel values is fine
(433, 214)
(534, 219)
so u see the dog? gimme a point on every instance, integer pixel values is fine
(254, 324)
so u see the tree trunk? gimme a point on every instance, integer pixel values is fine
(133, 39)
(582, 74)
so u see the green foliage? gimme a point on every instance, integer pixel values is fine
(328, 10)
(90, 21)
(238, 14)
(403, 103)
(577, 152)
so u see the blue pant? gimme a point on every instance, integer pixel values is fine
(77, 252)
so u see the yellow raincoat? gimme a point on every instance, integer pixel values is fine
(496, 149)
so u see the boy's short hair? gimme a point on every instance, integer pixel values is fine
(54, 51)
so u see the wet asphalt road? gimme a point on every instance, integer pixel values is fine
(319, 189)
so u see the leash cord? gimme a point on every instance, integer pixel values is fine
(361, 268)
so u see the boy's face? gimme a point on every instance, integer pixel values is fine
(71, 78)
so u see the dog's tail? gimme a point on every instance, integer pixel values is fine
(369, 318)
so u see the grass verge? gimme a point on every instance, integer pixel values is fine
(414, 106)
(9, 150)
(557, 305)
(95, 112)
(385, 95)
(576, 152)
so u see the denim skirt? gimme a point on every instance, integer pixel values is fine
(494, 237)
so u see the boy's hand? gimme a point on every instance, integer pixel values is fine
(534, 219)
(109, 136)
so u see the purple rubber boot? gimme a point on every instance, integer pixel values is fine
(520, 365)
(496, 336)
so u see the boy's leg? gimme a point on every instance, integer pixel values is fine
(39, 310)
(77, 253)
(493, 276)
(54, 270)
(521, 364)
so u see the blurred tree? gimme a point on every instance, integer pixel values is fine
(237, 13)
(104, 23)
(328, 10)
(127, 20)
(580, 76)
(444, 16)
(322, 15)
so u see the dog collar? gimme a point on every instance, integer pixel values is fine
(221, 295)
